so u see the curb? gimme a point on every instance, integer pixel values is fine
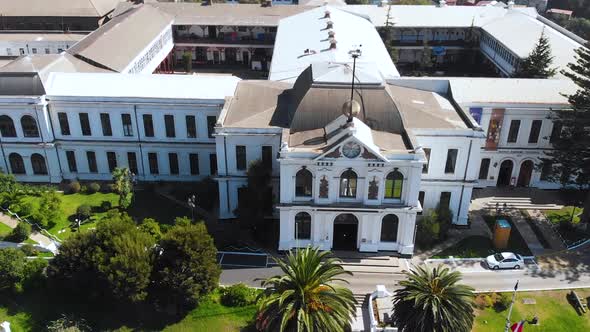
(510, 290)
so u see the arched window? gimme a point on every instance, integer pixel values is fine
(348, 184)
(29, 126)
(39, 167)
(303, 183)
(7, 127)
(16, 163)
(393, 185)
(389, 228)
(303, 226)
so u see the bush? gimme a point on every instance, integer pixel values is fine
(29, 250)
(93, 188)
(84, 211)
(74, 187)
(21, 232)
(84, 189)
(23, 209)
(238, 295)
(105, 206)
(503, 301)
(106, 187)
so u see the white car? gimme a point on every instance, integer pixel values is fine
(505, 260)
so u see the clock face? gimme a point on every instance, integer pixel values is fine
(351, 150)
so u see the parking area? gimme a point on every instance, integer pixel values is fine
(477, 265)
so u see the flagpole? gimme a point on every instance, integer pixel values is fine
(507, 328)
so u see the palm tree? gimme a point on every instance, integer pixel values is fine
(432, 300)
(305, 298)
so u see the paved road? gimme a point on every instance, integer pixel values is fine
(531, 277)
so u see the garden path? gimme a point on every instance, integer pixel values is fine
(43, 240)
(526, 231)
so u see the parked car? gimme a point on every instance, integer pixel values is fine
(505, 260)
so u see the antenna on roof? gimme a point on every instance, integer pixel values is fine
(352, 108)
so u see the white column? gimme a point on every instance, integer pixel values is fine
(286, 233)
(406, 233)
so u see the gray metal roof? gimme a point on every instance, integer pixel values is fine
(76, 8)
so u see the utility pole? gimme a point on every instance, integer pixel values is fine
(507, 328)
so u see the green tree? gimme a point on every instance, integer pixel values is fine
(123, 186)
(256, 200)
(49, 210)
(431, 300)
(569, 161)
(306, 297)
(18, 272)
(114, 261)
(186, 268)
(21, 232)
(538, 63)
(152, 227)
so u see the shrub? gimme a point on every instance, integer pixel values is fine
(84, 211)
(21, 232)
(152, 227)
(93, 188)
(17, 272)
(503, 301)
(68, 324)
(23, 209)
(74, 187)
(105, 206)
(106, 187)
(29, 250)
(84, 189)
(238, 295)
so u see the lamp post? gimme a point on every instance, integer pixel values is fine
(78, 223)
(192, 203)
(507, 328)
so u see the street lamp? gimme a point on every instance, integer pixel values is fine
(192, 203)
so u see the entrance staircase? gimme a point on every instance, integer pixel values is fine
(356, 262)
(523, 203)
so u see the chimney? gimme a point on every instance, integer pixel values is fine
(331, 34)
(442, 3)
(327, 14)
(332, 43)
(329, 25)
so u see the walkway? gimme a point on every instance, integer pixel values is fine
(41, 239)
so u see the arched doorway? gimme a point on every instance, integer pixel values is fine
(505, 173)
(524, 176)
(345, 232)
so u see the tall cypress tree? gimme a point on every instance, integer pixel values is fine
(570, 160)
(538, 63)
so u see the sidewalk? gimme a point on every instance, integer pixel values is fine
(41, 239)
(526, 231)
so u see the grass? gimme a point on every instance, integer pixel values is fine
(470, 247)
(564, 214)
(4, 230)
(552, 307)
(516, 243)
(19, 321)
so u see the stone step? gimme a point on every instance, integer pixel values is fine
(525, 206)
(363, 262)
(511, 199)
(389, 270)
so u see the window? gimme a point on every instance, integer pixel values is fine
(445, 199)
(213, 164)
(211, 120)
(71, 157)
(303, 183)
(393, 185)
(194, 163)
(85, 124)
(302, 226)
(241, 157)
(425, 166)
(132, 162)
(47, 51)
(546, 171)
(535, 131)
(173, 162)
(169, 123)
(34, 50)
(105, 121)
(267, 156)
(127, 128)
(148, 125)
(191, 126)
(21, 51)
(483, 168)
(7, 126)
(63, 123)
(92, 167)
(29, 126)
(348, 184)
(39, 166)
(8, 51)
(153, 161)
(476, 113)
(555, 132)
(451, 161)
(389, 228)
(16, 163)
(513, 131)
(421, 195)
(112, 161)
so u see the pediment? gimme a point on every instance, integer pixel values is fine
(338, 150)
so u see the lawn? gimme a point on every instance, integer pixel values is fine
(568, 231)
(552, 307)
(19, 321)
(4, 230)
(564, 215)
(146, 204)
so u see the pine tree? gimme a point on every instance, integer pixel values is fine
(538, 63)
(569, 162)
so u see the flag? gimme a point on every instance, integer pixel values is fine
(517, 327)
(516, 286)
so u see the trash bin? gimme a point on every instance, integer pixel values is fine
(502, 233)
